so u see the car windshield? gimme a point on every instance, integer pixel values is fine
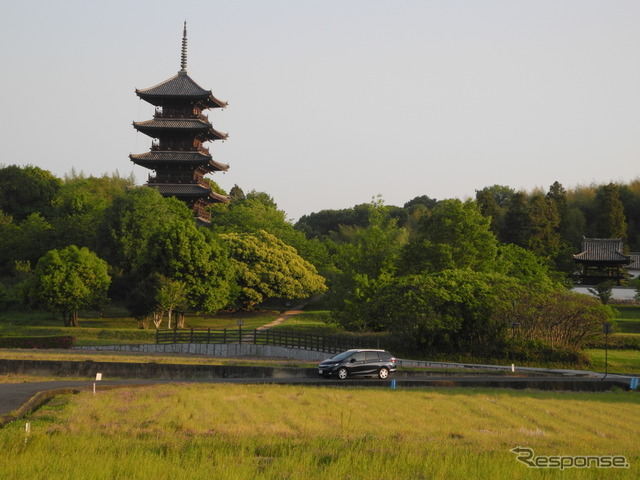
(341, 356)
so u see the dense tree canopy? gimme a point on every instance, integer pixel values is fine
(68, 280)
(180, 251)
(131, 220)
(268, 268)
(454, 235)
(26, 190)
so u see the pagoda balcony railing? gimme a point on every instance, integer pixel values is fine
(179, 181)
(156, 147)
(199, 116)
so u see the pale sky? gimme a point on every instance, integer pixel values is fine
(334, 102)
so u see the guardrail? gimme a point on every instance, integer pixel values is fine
(279, 338)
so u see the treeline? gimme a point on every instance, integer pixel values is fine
(551, 224)
(81, 242)
(485, 277)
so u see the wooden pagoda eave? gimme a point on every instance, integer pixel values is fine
(151, 161)
(204, 130)
(205, 101)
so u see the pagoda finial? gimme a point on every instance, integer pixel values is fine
(183, 60)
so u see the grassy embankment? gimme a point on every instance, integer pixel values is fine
(116, 327)
(281, 432)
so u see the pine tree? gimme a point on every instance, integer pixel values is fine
(610, 220)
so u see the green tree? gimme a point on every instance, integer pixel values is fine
(131, 220)
(603, 291)
(171, 295)
(518, 224)
(545, 240)
(363, 257)
(79, 206)
(610, 221)
(68, 280)
(258, 211)
(26, 190)
(454, 236)
(266, 267)
(236, 194)
(25, 241)
(452, 310)
(527, 268)
(493, 202)
(324, 222)
(182, 252)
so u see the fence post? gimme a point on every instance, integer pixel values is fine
(157, 336)
(191, 341)
(175, 335)
(224, 337)
(208, 335)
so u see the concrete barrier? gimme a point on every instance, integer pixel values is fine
(224, 350)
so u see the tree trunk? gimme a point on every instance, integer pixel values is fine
(157, 319)
(180, 319)
(72, 319)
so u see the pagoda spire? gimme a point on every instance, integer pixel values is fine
(183, 58)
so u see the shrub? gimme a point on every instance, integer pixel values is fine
(65, 342)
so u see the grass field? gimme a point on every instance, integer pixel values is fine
(619, 361)
(628, 318)
(292, 432)
(115, 327)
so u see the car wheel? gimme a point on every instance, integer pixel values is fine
(343, 373)
(383, 373)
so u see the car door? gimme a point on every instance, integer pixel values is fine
(371, 363)
(357, 364)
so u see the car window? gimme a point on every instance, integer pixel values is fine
(371, 356)
(341, 356)
(385, 356)
(359, 357)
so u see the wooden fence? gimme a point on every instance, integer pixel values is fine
(280, 338)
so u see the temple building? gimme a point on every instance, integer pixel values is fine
(602, 259)
(179, 130)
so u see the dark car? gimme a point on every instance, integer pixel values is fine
(358, 362)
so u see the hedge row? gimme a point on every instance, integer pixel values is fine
(37, 342)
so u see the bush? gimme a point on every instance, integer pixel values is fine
(65, 342)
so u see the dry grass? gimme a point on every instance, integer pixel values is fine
(254, 432)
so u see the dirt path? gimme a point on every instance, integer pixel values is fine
(248, 338)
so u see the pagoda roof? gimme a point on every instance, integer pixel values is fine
(180, 86)
(177, 157)
(151, 127)
(602, 250)
(182, 190)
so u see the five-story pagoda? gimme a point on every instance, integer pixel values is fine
(179, 131)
